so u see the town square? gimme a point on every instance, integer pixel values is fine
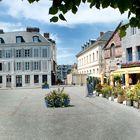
(69, 70)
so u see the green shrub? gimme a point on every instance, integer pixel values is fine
(57, 98)
(98, 87)
(106, 90)
(119, 90)
(129, 93)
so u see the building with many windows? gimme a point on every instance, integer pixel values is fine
(90, 58)
(62, 71)
(27, 58)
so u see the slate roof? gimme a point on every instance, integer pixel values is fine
(117, 28)
(103, 38)
(10, 37)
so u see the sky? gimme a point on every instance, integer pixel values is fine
(87, 24)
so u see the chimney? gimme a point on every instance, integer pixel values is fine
(101, 33)
(1, 31)
(47, 35)
(32, 29)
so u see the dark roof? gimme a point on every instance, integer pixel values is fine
(113, 34)
(104, 37)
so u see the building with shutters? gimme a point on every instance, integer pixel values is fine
(27, 59)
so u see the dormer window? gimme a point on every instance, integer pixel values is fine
(36, 39)
(1, 40)
(19, 39)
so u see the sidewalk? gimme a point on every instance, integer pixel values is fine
(24, 116)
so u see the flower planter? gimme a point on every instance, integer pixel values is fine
(129, 102)
(45, 87)
(66, 102)
(136, 104)
(120, 98)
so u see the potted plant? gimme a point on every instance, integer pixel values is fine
(129, 93)
(120, 93)
(135, 100)
(98, 89)
(45, 85)
(106, 91)
(57, 98)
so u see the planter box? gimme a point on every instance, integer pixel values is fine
(120, 99)
(45, 86)
(129, 102)
(136, 104)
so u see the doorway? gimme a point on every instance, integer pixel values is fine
(18, 80)
(8, 80)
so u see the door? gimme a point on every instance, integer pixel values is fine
(8, 80)
(19, 81)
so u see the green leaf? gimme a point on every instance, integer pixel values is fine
(54, 19)
(77, 2)
(53, 10)
(62, 17)
(74, 9)
(83, 1)
(63, 9)
(129, 13)
(105, 3)
(31, 1)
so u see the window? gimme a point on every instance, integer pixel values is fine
(93, 71)
(36, 65)
(90, 58)
(0, 79)
(19, 39)
(27, 65)
(0, 66)
(97, 55)
(112, 51)
(36, 78)
(18, 66)
(93, 57)
(129, 54)
(44, 52)
(36, 53)
(133, 31)
(138, 52)
(8, 53)
(27, 79)
(27, 53)
(36, 39)
(0, 53)
(44, 78)
(1, 40)
(97, 70)
(18, 53)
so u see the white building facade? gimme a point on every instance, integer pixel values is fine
(90, 59)
(27, 59)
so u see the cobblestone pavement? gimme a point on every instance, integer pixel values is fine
(24, 116)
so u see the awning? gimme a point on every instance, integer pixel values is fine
(126, 70)
(93, 75)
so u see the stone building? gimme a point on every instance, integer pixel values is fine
(27, 58)
(112, 53)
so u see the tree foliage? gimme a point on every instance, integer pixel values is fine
(60, 7)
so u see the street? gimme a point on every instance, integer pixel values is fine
(24, 116)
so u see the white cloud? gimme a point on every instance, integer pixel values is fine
(6, 26)
(39, 11)
(65, 55)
